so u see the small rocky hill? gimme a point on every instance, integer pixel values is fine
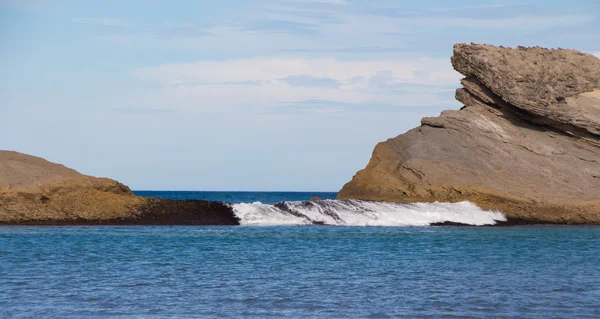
(36, 191)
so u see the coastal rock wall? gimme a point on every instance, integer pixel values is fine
(526, 142)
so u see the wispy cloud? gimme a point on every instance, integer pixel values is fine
(106, 22)
(283, 26)
(310, 81)
(318, 27)
(323, 106)
(381, 19)
(514, 23)
(424, 70)
(170, 35)
(489, 11)
(255, 84)
(179, 30)
(142, 110)
(350, 50)
(323, 1)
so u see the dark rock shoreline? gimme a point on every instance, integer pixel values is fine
(508, 223)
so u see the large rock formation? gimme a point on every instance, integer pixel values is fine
(35, 191)
(526, 142)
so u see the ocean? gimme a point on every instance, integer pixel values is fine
(283, 271)
(238, 197)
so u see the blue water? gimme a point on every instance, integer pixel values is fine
(300, 272)
(238, 197)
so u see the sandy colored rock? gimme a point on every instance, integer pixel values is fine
(38, 192)
(34, 188)
(526, 143)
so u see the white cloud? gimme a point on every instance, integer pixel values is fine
(597, 54)
(438, 71)
(514, 23)
(255, 84)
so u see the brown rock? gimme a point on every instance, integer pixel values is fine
(526, 143)
(35, 191)
(33, 188)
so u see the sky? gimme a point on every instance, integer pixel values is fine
(245, 95)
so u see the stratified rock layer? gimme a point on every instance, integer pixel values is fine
(36, 191)
(526, 142)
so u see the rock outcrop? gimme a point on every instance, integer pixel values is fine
(36, 191)
(526, 142)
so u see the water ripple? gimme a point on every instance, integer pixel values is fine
(299, 272)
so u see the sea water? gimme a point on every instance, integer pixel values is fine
(238, 197)
(300, 272)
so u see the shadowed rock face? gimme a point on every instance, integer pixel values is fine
(35, 191)
(526, 142)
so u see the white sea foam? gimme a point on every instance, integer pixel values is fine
(363, 213)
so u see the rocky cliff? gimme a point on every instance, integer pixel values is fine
(36, 191)
(526, 142)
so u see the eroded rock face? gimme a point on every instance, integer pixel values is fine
(527, 142)
(547, 83)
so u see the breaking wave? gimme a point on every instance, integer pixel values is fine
(363, 213)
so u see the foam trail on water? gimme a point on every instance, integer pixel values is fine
(258, 213)
(363, 213)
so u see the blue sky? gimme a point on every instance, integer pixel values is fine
(245, 95)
